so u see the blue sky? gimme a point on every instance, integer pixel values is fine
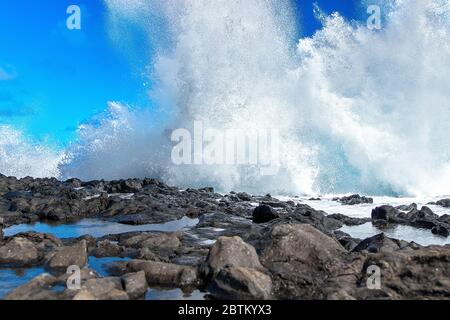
(52, 79)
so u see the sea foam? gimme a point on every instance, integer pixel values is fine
(357, 110)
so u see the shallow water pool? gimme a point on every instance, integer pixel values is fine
(13, 278)
(98, 228)
(421, 236)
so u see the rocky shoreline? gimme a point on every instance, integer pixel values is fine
(240, 247)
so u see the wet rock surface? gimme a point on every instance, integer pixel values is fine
(443, 203)
(66, 256)
(353, 200)
(240, 247)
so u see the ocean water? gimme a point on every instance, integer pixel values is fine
(407, 233)
(357, 110)
(364, 210)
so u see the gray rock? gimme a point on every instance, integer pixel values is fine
(67, 256)
(244, 196)
(165, 274)
(379, 243)
(348, 221)
(238, 283)
(230, 252)
(19, 252)
(353, 200)
(264, 213)
(441, 229)
(444, 203)
(407, 208)
(385, 213)
(106, 249)
(135, 284)
(303, 261)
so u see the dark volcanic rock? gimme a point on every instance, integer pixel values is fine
(106, 249)
(303, 213)
(346, 240)
(292, 251)
(163, 244)
(441, 229)
(443, 203)
(354, 199)
(229, 252)
(19, 252)
(244, 196)
(303, 262)
(349, 221)
(445, 218)
(385, 213)
(239, 283)
(407, 208)
(380, 242)
(264, 213)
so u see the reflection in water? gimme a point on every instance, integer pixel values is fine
(421, 236)
(98, 228)
(174, 294)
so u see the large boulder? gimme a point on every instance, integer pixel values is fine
(385, 213)
(238, 283)
(105, 248)
(304, 262)
(63, 257)
(19, 252)
(444, 203)
(230, 252)
(44, 242)
(264, 213)
(380, 242)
